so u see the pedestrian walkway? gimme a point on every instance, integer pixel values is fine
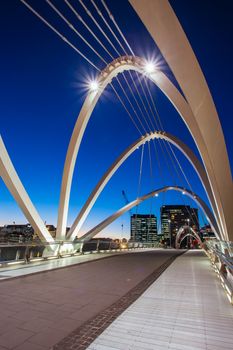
(19, 270)
(184, 309)
(40, 310)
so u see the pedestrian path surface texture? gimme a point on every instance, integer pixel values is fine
(47, 265)
(185, 308)
(41, 309)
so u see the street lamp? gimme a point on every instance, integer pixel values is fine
(170, 235)
(93, 85)
(149, 67)
(190, 239)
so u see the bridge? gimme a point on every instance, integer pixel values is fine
(117, 299)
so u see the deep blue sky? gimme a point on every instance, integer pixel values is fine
(42, 88)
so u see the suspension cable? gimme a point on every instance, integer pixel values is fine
(125, 52)
(176, 170)
(97, 39)
(129, 47)
(161, 176)
(140, 172)
(118, 53)
(151, 169)
(113, 19)
(157, 122)
(180, 167)
(75, 30)
(147, 101)
(160, 125)
(130, 103)
(79, 17)
(151, 184)
(122, 35)
(109, 27)
(59, 34)
(131, 51)
(91, 47)
(147, 124)
(140, 177)
(173, 153)
(118, 96)
(178, 175)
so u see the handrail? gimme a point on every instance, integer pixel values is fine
(18, 253)
(220, 254)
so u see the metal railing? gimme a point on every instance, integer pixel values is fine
(221, 256)
(16, 253)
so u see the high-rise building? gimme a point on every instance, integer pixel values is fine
(175, 216)
(143, 228)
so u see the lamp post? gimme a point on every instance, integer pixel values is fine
(170, 235)
(190, 242)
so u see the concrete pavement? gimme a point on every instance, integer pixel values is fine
(38, 311)
(186, 308)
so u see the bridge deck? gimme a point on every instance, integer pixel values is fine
(184, 309)
(40, 310)
(20, 270)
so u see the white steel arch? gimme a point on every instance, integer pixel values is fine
(112, 70)
(94, 231)
(16, 188)
(113, 168)
(168, 34)
(181, 230)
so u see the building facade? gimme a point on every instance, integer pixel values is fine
(175, 216)
(16, 233)
(143, 228)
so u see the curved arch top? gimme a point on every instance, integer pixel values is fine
(181, 230)
(168, 34)
(112, 70)
(93, 232)
(113, 168)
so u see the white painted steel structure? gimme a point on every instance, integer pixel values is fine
(165, 28)
(16, 188)
(73, 232)
(210, 217)
(181, 231)
(196, 109)
(159, 78)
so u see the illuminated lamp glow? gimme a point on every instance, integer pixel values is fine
(149, 67)
(93, 85)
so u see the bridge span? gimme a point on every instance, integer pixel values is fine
(143, 299)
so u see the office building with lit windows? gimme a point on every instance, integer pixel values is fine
(175, 216)
(143, 228)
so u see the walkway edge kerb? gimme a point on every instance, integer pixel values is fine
(84, 335)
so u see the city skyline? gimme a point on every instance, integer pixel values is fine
(37, 127)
